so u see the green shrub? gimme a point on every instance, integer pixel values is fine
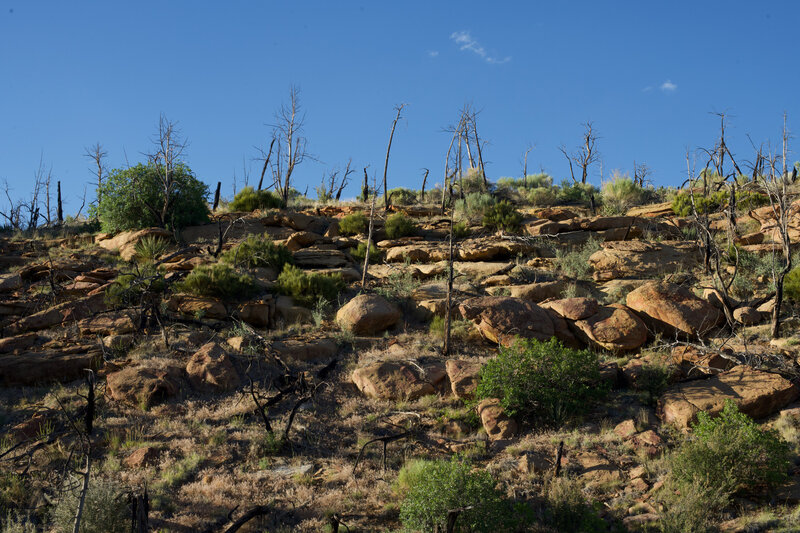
(682, 203)
(531, 181)
(307, 289)
(543, 380)
(218, 280)
(689, 507)
(150, 247)
(258, 251)
(401, 196)
(126, 194)
(353, 224)
(360, 252)
(791, 284)
(105, 509)
(567, 508)
(575, 263)
(13, 492)
(471, 182)
(653, 380)
(730, 452)
(576, 193)
(249, 199)
(544, 196)
(398, 285)
(436, 487)
(398, 225)
(461, 231)
(473, 206)
(13, 523)
(134, 287)
(620, 193)
(502, 215)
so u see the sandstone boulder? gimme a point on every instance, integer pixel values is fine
(144, 385)
(747, 316)
(463, 377)
(538, 292)
(615, 328)
(306, 350)
(573, 308)
(126, 241)
(399, 380)
(65, 312)
(673, 309)
(197, 306)
(639, 259)
(496, 423)
(501, 319)
(210, 369)
(10, 282)
(49, 366)
(756, 393)
(368, 314)
(117, 323)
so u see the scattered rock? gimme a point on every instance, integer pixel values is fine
(495, 422)
(672, 309)
(142, 457)
(747, 316)
(210, 369)
(368, 314)
(31, 368)
(501, 319)
(302, 350)
(10, 282)
(399, 380)
(626, 428)
(197, 306)
(615, 328)
(144, 385)
(756, 393)
(117, 323)
(463, 377)
(61, 313)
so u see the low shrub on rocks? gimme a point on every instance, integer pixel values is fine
(249, 199)
(258, 251)
(399, 225)
(502, 216)
(218, 280)
(307, 289)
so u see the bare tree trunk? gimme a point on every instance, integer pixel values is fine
(79, 511)
(448, 307)
(365, 186)
(482, 168)
(424, 180)
(398, 108)
(369, 238)
(60, 208)
(216, 196)
(266, 164)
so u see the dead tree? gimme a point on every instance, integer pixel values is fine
(335, 185)
(266, 163)
(96, 154)
(169, 149)
(59, 206)
(399, 109)
(369, 233)
(481, 166)
(293, 146)
(525, 162)
(216, 196)
(365, 187)
(585, 155)
(640, 173)
(776, 187)
(424, 181)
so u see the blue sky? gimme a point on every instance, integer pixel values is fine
(647, 74)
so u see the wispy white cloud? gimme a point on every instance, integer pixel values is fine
(668, 86)
(465, 41)
(433, 53)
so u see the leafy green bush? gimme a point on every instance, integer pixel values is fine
(531, 181)
(105, 509)
(218, 280)
(150, 247)
(134, 287)
(473, 206)
(461, 231)
(353, 224)
(567, 508)
(682, 203)
(258, 251)
(307, 289)
(689, 507)
(401, 196)
(730, 452)
(502, 215)
(471, 182)
(791, 284)
(360, 252)
(133, 198)
(575, 263)
(620, 193)
(398, 225)
(248, 199)
(543, 196)
(576, 193)
(543, 380)
(436, 487)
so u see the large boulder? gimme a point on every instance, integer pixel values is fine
(463, 376)
(197, 306)
(10, 282)
(31, 368)
(367, 314)
(639, 259)
(497, 424)
(672, 309)
(615, 328)
(573, 308)
(756, 393)
(399, 380)
(306, 350)
(126, 241)
(538, 292)
(211, 370)
(66, 312)
(144, 385)
(501, 319)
